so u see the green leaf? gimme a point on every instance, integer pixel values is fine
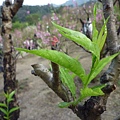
(68, 81)
(87, 92)
(6, 95)
(97, 87)
(4, 111)
(11, 94)
(95, 32)
(3, 105)
(60, 58)
(9, 100)
(98, 68)
(95, 11)
(13, 109)
(6, 117)
(102, 36)
(65, 104)
(80, 39)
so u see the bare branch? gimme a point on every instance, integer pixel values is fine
(47, 77)
(55, 70)
(16, 6)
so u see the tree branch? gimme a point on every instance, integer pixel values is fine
(16, 6)
(55, 70)
(48, 78)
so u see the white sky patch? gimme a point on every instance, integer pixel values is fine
(40, 2)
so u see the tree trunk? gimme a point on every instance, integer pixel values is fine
(9, 60)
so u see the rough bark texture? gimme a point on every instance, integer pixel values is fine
(8, 11)
(95, 106)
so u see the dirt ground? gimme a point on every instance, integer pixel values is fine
(38, 102)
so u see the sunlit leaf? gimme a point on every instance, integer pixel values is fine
(101, 64)
(79, 38)
(3, 110)
(9, 100)
(60, 58)
(102, 36)
(95, 10)
(13, 109)
(3, 105)
(95, 32)
(11, 94)
(87, 92)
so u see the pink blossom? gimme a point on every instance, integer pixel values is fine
(29, 44)
(59, 35)
(90, 7)
(54, 41)
(28, 12)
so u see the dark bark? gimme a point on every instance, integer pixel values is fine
(8, 11)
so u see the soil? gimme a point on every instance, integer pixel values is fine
(38, 102)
